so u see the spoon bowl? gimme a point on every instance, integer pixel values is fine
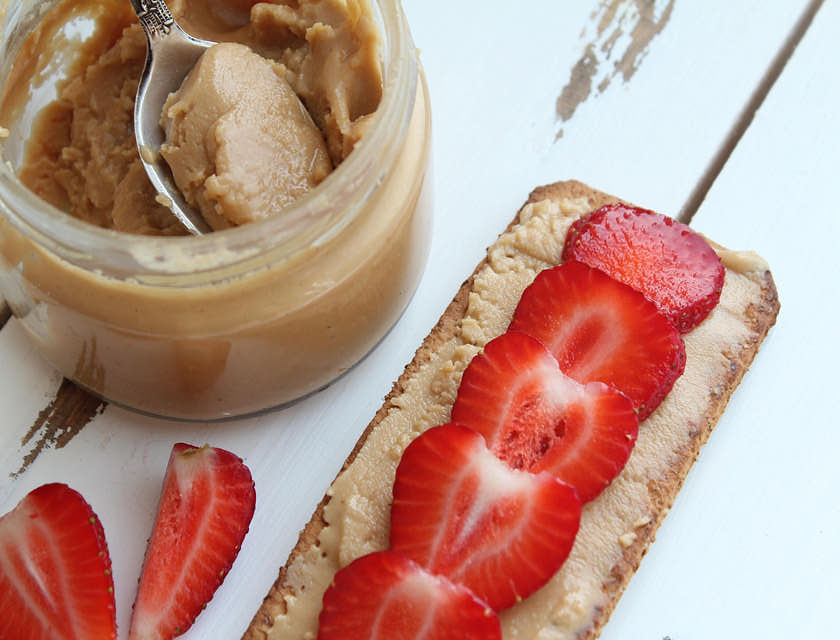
(170, 55)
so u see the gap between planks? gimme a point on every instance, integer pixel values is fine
(742, 123)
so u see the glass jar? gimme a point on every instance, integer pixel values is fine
(236, 321)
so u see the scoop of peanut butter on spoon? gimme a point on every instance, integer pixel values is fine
(240, 144)
(224, 138)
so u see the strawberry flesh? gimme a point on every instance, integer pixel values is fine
(386, 596)
(666, 260)
(602, 330)
(536, 418)
(460, 512)
(55, 570)
(205, 510)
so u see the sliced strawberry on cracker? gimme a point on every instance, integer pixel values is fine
(664, 259)
(460, 512)
(536, 418)
(205, 509)
(386, 596)
(55, 571)
(602, 330)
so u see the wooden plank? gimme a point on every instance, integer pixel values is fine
(496, 76)
(750, 548)
(28, 385)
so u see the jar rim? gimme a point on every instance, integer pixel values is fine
(310, 221)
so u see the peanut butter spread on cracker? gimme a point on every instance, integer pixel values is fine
(354, 519)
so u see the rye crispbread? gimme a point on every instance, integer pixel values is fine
(650, 484)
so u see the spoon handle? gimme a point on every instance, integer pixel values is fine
(171, 53)
(154, 16)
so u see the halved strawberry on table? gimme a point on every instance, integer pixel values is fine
(387, 596)
(460, 512)
(602, 330)
(55, 570)
(664, 259)
(205, 510)
(536, 418)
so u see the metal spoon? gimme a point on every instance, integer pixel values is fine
(170, 55)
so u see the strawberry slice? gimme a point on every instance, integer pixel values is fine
(205, 509)
(664, 259)
(386, 596)
(55, 571)
(536, 418)
(602, 330)
(460, 512)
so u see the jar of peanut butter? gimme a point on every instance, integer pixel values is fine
(241, 319)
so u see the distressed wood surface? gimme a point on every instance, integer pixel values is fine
(638, 98)
(750, 548)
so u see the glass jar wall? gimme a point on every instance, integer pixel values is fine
(236, 321)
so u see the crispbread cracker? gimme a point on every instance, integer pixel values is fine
(617, 527)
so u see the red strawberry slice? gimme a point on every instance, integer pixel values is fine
(538, 419)
(664, 259)
(460, 512)
(205, 509)
(55, 571)
(602, 330)
(386, 596)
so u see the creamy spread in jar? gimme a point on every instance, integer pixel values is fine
(246, 318)
(240, 142)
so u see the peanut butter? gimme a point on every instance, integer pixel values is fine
(232, 322)
(240, 144)
(256, 150)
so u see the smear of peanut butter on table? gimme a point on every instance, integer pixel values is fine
(617, 39)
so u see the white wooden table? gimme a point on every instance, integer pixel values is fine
(658, 108)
